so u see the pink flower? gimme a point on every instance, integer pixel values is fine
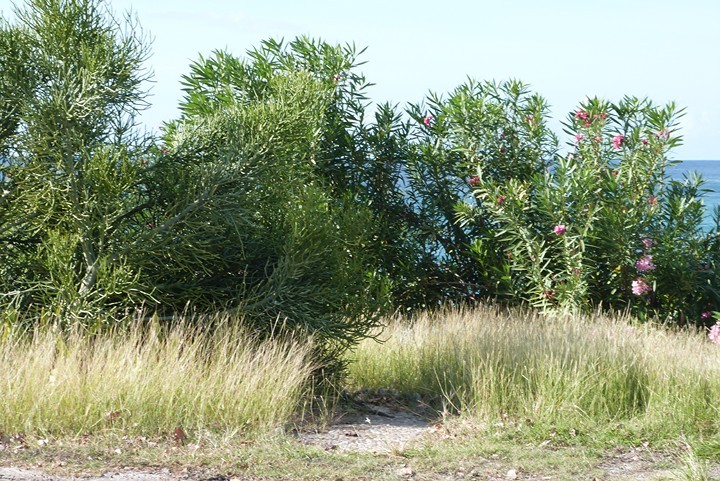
(336, 77)
(645, 264)
(530, 119)
(663, 134)
(640, 287)
(652, 200)
(644, 141)
(559, 229)
(550, 295)
(475, 180)
(714, 334)
(428, 118)
(617, 141)
(581, 115)
(578, 138)
(706, 315)
(501, 200)
(648, 243)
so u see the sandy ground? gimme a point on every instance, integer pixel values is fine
(16, 474)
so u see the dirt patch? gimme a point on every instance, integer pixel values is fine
(15, 474)
(379, 421)
(637, 465)
(380, 430)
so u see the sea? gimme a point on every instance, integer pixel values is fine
(710, 171)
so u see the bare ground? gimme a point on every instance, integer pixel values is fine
(386, 431)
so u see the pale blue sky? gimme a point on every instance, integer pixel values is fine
(566, 50)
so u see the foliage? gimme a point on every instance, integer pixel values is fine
(480, 125)
(71, 86)
(233, 211)
(275, 235)
(601, 225)
(276, 196)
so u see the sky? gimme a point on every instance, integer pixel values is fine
(566, 50)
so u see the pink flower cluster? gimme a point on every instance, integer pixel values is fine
(428, 119)
(640, 287)
(585, 117)
(559, 229)
(474, 180)
(645, 264)
(617, 141)
(714, 334)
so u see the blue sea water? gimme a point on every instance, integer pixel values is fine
(710, 170)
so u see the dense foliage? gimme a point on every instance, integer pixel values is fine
(282, 194)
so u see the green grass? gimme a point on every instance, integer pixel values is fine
(149, 380)
(560, 395)
(565, 374)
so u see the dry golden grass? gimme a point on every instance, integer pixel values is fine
(149, 380)
(488, 363)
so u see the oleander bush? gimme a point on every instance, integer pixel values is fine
(604, 224)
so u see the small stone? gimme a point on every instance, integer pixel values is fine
(512, 474)
(476, 472)
(405, 472)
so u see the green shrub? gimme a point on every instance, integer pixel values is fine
(271, 236)
(241, 208)
(601, 225)
(71, 85)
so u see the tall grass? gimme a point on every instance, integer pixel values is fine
(489, 363)
(149, 380)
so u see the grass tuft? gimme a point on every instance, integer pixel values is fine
(149, 380)
(565, 370)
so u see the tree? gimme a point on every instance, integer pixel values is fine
(277, 237)
(72, 83)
